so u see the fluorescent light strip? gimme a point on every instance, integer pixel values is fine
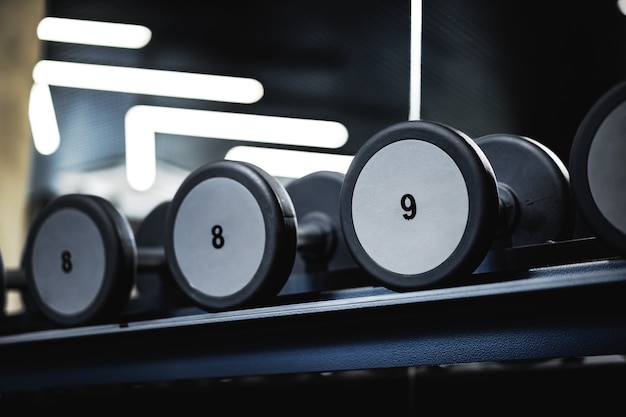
(43, 121)
(288, 163)
(142, 122)
(88, 32)
(415, 89)
(148, 81)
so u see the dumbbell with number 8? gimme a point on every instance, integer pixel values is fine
(81, 260)
(422, 203)
(234, 233)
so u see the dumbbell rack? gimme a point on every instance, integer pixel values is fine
(560, 311)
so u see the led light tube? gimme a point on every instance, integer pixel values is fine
(43, 121)
(289, 163)
(415, 77)
(89, 32)
(142, 122)
(148, 81)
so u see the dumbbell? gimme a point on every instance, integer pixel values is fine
(80, 260)
(317, 268)
(423, 204)
(26, 316)
(3, 286)
(15, 320)
(233, 234)
(598, 168)
(156, 291)
(8, 280)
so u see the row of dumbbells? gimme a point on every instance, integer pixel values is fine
(420, 206)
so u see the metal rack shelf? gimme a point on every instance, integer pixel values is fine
(546, 312)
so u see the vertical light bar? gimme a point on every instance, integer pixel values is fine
(43, 120)
(415, 89)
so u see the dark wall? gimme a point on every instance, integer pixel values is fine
(532, 68)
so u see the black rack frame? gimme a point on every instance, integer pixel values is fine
(547, 312)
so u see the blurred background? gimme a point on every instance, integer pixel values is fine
(20, 49)
(291, 86)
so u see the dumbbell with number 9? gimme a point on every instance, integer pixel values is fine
(422, 203)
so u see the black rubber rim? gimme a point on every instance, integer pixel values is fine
(541, 183)
(579, 154)
(483, 204)
(280, 229)
(150, 231)
(319, 192)
(120, 260)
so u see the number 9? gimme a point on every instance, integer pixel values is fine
(408, 204)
